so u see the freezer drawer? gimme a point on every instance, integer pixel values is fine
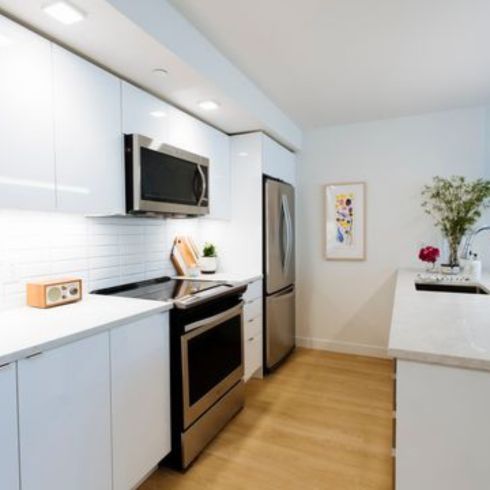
(280, 328)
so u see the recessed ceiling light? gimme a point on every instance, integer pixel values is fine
(158, 113)
(5, 41)
(160, 72)
(64, 12)
(242, 154)
(209, 105)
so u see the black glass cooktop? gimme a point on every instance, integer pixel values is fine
(160, 289)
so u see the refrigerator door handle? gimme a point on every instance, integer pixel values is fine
(289, 233)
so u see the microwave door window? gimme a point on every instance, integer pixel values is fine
(165, 178)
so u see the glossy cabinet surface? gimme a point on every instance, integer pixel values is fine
(144, 114)
(278, 161)
(88, 139)
(27, 164)
(253, 329)
(64, 417)
(9, 455)
(140, 398)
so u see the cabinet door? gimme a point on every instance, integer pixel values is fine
(144, 114)
(218, 152)
(9, 460)
(140, 398)
(27, 172)
(187, 132)
(89, 165)
(64, 416)
(278, 162)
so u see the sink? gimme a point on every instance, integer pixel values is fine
(449, 288)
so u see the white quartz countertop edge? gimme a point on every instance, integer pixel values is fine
(451, 329)
(27, 331)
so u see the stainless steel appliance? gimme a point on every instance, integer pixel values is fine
(162, 179)
(206, 357)
(279, 272)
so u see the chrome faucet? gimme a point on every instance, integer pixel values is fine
(469, 240)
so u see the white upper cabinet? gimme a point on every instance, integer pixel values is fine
(218, 152)
(26, 120)
(140, 398)
(9, 460)
(278, 162)
(64, 415)
(144, 114)
(88, 137)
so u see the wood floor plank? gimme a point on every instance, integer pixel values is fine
(320, 422)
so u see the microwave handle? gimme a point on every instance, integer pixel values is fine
(203, 180)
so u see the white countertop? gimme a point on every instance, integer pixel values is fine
(440, 327)
(230, 277)
(26, 331)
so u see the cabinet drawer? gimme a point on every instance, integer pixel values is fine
(254, 291)
(252, 309)
(253, 356)
(253, 327)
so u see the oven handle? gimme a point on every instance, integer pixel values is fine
(216, 319)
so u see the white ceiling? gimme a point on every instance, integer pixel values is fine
(116, 42)
(336, 61)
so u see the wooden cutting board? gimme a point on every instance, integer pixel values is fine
(184, 255)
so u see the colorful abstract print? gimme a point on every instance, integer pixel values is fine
(344, 217)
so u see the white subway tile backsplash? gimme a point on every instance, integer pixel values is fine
(104, 252)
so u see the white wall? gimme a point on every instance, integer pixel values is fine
(347, 305)
(102, 251)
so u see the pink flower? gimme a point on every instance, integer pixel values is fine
(429, 254)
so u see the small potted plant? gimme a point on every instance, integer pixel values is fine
(209, 260)
(455, 204)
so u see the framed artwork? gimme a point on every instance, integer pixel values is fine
(345, 221)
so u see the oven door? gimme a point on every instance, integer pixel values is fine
(212, 360)
(164, 179)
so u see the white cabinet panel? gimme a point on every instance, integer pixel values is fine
(27, 169)
(187, 132)
(144, 114)
(219, 176)
(88, 137)
(442, 429)
(9, 460)
(278, 162)
(140, 398)
(253, 356)
(64, 416)
(254, 291)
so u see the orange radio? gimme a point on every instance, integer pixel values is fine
(45, 294)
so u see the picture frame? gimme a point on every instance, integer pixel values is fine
(345, 221)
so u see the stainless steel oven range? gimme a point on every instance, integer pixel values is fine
(206, 358)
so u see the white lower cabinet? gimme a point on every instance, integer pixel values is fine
(252, 330)
(140, 398)
(64, 417)
(442, 428)
(9, 456)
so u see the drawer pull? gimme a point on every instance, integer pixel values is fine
(251, 339)
(33, 356)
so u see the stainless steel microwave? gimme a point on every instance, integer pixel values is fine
(162, 179)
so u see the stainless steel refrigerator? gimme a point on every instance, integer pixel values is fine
(279, 272)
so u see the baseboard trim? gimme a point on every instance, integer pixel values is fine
(342, 347)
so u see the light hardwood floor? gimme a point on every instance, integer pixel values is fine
(321, 421)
